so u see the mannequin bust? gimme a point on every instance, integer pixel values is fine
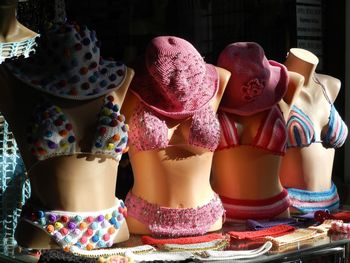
(173, 176)
(246, 164)
(308, 162)
(13, 33)
(73, 184)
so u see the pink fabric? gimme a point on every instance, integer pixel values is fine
(340, 227)
(174, 80)
(256, 84)
(271, 135)
(255, 209)
(148, 132)
(174, 222)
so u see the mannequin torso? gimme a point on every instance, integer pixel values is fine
(310, 167)
(178, 175)
(246, 172)
(79, 182)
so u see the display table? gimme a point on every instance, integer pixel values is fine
(333, 248)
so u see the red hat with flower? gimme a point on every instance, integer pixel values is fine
(256, 84)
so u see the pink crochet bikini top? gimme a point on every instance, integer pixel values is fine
(149, 132)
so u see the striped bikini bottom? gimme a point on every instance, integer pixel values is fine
(237, 209)
(308, 201)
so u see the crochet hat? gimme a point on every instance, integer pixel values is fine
(174, 80)
(68, 64)
(256, 84)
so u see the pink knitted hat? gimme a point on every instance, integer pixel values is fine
(256, 84)
(174, 80)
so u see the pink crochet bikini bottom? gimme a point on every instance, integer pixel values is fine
(174, 222)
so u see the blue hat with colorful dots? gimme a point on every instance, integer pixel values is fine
(68, 64)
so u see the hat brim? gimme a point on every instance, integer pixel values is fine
(278, 80)
(145, 88)
(33, 75)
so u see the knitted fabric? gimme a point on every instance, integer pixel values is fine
(14, 186)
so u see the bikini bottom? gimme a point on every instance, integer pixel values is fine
(174, 222)
(308, 201)
(239, 209)
(83, 230)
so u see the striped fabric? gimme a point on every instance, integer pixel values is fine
(301, 130)
(255, 209)
(271, 135)
(337, 130)
(308, 201)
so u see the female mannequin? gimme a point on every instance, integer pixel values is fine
(15, 39)
(172, 195)
(307, 165)
(55, 102)
(253, 137)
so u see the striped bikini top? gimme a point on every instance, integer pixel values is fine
(301, 132)
(271, 135)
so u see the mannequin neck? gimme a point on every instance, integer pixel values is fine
(8, 22)
(303, 62)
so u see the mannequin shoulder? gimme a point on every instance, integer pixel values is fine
(295, 79)
(129, 105)
(331, 84)
(224, 77)
(24, 33)
(295, 84)
(122, 91)
(130, 73)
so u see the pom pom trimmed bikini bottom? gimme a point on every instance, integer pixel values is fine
(83, 230)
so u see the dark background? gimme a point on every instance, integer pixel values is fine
(126, 26)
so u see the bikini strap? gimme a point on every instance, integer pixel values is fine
(323, 88)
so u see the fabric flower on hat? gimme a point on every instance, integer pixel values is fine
(252, 89)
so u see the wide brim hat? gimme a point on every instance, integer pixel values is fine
(68, 64)
(256, 83)
(172, 78)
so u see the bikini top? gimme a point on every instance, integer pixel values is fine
(149, 132)
(271, 135)
(51, 133)
(68, 64)
(301, 132)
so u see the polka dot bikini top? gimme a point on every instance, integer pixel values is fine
(51, 134)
